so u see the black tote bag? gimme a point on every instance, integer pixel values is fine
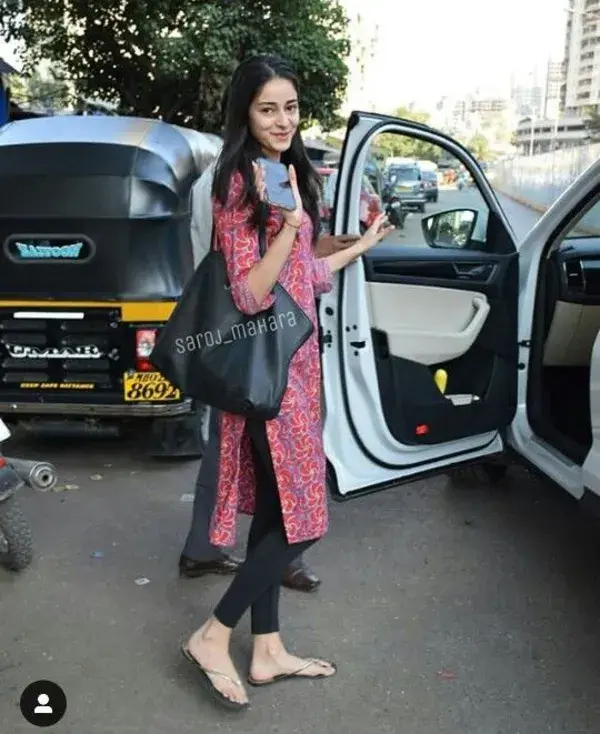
(225, 359)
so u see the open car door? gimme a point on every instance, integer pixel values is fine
(419, 337)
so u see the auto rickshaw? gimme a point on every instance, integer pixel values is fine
(96, 250)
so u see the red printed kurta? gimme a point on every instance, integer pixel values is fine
(295, 435)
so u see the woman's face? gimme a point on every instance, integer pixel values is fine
(274, 117)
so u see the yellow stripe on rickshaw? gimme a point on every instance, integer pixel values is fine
(131, 311)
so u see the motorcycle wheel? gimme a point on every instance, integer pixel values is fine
(15, 530)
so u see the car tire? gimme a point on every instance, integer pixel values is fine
(16, 531)
(435, 198)
(421, 208)
(473, 475)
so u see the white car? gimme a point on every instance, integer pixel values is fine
(519, 320)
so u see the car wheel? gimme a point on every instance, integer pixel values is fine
(422, 208)
(435, 198)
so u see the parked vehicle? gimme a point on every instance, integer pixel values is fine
(406, 183)
(16, 546)
(371, 205)
(474, 351)
(430, 183)
(96, 251)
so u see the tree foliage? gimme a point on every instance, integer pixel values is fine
(172, 58)
(38, 91)
(592, 123)
(479, 147)
(401, 146)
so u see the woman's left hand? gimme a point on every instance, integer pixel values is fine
(378, 231)
(327, 244)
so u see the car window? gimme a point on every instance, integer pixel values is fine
(367, 185)
(406, 174)
(409, 199)
(329, 186)
(588, 225)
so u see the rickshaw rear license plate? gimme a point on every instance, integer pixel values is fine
(148, 387)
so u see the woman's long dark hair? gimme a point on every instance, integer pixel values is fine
(240, 148)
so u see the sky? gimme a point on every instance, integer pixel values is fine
(447, 47)
(444, 47)
(7, 53)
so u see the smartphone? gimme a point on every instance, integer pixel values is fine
(277, 184)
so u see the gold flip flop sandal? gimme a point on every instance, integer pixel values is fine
(210, 687)
(296, 674)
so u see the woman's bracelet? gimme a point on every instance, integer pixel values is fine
(291, 225)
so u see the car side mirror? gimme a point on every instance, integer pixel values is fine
(451, 229)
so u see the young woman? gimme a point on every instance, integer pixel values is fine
(274, 470)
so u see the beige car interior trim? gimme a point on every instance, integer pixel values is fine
(572, 334)
(424, 324)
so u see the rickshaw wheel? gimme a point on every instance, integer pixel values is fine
(180, 437)
(16, 532)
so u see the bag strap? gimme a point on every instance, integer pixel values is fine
(213, 236)
(262, 240)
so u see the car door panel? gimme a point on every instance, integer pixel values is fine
(398, 317)
(426, 324)
(422, 322)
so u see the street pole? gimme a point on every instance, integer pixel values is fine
(555, 132)
(532, 138)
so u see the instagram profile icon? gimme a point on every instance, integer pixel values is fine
(43, 703)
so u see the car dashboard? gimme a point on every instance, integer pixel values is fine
(577, 270)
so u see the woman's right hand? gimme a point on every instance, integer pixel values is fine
(293, 218)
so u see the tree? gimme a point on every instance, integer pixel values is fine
(592, 123)
(394, 145)
(172, 58)
(479, 147)
(37, 91)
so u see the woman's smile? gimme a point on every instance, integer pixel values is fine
(281, 136)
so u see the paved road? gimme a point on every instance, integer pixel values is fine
(448, 610)
(522, 218)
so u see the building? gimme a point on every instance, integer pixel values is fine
(320, 153)
(364, 38)
(528, 100)
(581, 90)
(535, 136)
(555, 78)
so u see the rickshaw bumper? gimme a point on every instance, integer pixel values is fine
(131, 410)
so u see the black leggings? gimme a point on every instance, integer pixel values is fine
(258, 582)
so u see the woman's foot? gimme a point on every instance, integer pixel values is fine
(209, 647)
(272, 662)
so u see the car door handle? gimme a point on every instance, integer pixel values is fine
(473, 272)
